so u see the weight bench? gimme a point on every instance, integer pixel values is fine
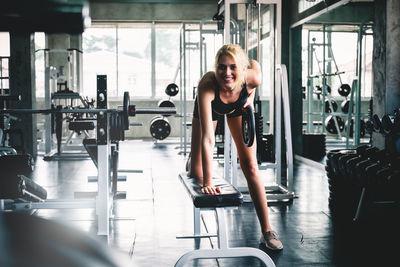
(229, 198)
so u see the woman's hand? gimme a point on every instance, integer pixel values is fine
(249, 102)
(210, 190)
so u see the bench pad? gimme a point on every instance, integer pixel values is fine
(230, 195)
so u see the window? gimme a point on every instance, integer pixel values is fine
(124, 53)
(4, 44)
(4, 62)
(99, 58)
(134, 61)
(167, 57)
(40, 44)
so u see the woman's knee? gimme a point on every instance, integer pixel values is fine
(249, 168)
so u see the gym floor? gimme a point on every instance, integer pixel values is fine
(157, 209)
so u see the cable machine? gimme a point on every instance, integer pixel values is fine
(279, 190)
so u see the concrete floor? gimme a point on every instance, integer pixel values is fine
(157, 209)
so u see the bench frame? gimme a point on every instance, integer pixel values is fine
(223, 250)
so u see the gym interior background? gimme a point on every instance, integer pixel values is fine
(336, 166)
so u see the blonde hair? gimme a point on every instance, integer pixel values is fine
(235, 51)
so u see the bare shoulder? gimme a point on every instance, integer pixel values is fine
(253, 74)
(207, 83)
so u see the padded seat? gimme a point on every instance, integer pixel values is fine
(81, 125)
(230, 196)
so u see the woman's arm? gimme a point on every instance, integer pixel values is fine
(206, 92)
(253, 74)
(253, 80)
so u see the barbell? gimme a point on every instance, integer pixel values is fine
(127, 110)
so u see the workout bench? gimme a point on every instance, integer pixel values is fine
(229, 198)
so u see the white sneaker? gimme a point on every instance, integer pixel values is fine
(271, 241)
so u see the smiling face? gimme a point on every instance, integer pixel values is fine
(230, 65)
(228, 73)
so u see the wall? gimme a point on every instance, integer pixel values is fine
(180, 11)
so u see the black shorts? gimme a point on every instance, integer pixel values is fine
(215, 115)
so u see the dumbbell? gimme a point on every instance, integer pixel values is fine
(363, 154)
(390, 124)
(342, 162)
(333, 156)
(375, 173)
(342, 192)
(352, 154)
(369, 126)
(360, 168)
(377, 123)
(394, 179)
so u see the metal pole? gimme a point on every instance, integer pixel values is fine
(184, 90)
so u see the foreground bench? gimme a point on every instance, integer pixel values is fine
(229, 198)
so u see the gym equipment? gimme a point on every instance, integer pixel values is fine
(267, 148)
(172, 89)
(166, 103)
(127, 111)
(345, 106)
(103, 204)
(229, 198)
(318, 90)
(248, 126)
(314, 146)
(343, 192)
(351, 127)
(21, 187)
(377, 123)
(355, 173)
(90, 145)
(344, 89)
(328, 108)
(390, 124)
(160, 127)
(330, 124)
(17, 164)
(81, 125)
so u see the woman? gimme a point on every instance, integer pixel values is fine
(227, 91)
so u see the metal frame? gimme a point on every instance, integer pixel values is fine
(68, 151)
(276, 191)
(103, 203)
(223, 250)
(355, 95)
(184, 46)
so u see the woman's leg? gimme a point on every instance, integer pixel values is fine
(249, 166)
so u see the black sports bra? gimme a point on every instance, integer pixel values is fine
(222, 108)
